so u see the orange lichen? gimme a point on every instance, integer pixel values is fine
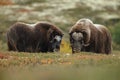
(6, 2)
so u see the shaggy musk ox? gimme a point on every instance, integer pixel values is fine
(90, 37)
(39, 37)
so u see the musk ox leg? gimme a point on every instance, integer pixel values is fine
(21, 46)
(11, 47)
(108, 43)
(29, 49)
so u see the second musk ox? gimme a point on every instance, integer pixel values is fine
(90, 37)
(39, 37)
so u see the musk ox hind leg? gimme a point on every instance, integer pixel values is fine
(11, 47)
(104, 40)
(108, 44)
(15, 47)
(11, 44)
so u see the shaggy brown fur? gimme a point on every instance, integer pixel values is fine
(33, 38)
(97, 37)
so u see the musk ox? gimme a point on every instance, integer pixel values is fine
(90, 37)
(39, 37)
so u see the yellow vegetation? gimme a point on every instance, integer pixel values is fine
(65, 47)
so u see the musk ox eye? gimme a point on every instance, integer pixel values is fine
(84, 33)
(54, 40)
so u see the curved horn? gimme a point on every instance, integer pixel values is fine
(84, 44)
(87, 26)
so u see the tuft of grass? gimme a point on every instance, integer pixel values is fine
(3, 46)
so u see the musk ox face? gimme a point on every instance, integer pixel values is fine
(54, 42)
(76, 41)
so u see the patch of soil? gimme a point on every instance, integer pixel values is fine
(3, 56)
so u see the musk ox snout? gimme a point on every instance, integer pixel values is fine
(77, 48)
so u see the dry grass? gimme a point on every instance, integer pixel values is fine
(39, 66)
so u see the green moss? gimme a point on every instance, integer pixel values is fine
(116, 34)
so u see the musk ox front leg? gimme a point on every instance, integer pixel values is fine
(21, 46)
(76, 40)
(11, 47)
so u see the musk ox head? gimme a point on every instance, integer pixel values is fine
(80, 34)
(76, 41)
(55, 38)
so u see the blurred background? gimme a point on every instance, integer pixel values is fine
(63, 13)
